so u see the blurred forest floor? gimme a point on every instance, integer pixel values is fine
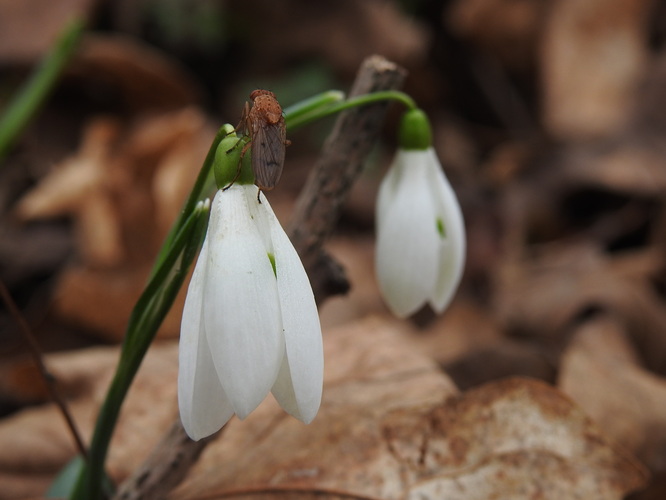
(546, 376)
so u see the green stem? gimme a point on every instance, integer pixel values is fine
(200, 185)
(167, 276)
(304, 118)
(310, 105)
(30, 98)
(148, 314)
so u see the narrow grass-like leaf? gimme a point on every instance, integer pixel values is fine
(29, 99)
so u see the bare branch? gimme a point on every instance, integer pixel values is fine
(166, 466)
(344, 153)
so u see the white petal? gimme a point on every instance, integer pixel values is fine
(408, 243)
(259, 214)
(299, 383)
(204, 408)
(452, 249)
(389, 186)
(284, 392)
(241, 307)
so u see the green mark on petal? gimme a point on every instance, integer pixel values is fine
(441, 229)
(271, 257)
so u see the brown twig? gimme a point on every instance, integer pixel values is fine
(341, 162)
(37, 356)
(166, 466)
(315, 216)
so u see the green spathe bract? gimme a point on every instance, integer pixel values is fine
(415, 132)
(228, 162)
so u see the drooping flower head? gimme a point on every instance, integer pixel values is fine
(250, 324)
(420, 251)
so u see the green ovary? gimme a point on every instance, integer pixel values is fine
(228, 158)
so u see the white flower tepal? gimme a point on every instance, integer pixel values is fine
(420, 251)
(250, 322)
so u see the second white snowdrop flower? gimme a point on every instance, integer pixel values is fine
(420, 251)
(250, 324)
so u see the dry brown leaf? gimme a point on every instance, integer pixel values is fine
(79, 186)
(369, 366)
(102, 300)
(594, 55)
(68, 185)
(463, 328)
(29, 28)
(21, 383)
(356, 255)
(145, 78)
(371, 371)
(517, 439)
(507, 29)
(22, 252)
(391, 425)
(542, 295)
(101, 242)
(180, 164)
(633, 413)
(652, 99)
(489, 443)
(124, 189)
(35, 443)
(334, 31)
(137, 178)
(629, 164)
(503, 359)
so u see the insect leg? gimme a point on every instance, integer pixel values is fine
(243, 120)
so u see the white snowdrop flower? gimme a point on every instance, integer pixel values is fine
(250, 324)
(420, 251)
